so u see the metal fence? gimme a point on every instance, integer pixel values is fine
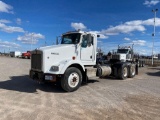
(149, 62)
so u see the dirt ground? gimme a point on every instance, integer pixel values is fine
(21, 98)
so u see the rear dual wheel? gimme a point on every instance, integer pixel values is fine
(132, 71)
(123, 72)
(126, 71)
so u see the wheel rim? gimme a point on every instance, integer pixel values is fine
(133, 71)
(73, 80)
(125, 71)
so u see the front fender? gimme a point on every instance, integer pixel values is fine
(68, 63)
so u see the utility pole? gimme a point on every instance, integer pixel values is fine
(31, 40)
(9, 51)
(153, 35)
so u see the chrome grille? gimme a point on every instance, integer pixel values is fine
(36, 61)
(116, 57)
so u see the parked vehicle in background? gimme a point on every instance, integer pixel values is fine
(15, 54)
(26, 55)
(126, 54)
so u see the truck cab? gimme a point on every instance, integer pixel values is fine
(124, 53)
(76, 51)
(26, 54)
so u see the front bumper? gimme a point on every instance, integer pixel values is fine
(41, 77)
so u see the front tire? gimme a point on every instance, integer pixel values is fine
(72, 79)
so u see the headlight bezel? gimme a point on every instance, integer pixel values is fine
(54, 68)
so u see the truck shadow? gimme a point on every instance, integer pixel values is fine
(157, 73)
(110, 78)
(154, 74)
(25, 84)
(92, 81)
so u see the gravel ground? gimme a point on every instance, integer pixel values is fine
(21, 98)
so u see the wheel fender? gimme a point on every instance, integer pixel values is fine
(120, 65)
(68, 63)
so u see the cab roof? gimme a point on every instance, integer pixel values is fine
(79, 31)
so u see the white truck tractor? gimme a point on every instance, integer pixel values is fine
(126, 54)
(73, 61)
(123, 53)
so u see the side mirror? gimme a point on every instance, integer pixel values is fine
(89, 38)
(57, 41)
(98, 35)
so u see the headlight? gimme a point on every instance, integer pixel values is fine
(54, 68)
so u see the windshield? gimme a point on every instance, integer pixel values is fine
(122, 51)
(73, 38)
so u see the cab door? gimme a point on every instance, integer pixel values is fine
(87, 52)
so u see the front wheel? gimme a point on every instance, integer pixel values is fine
(72, 79)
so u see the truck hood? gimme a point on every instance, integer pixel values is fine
(59, 50)
(54, 47)
(55, 54)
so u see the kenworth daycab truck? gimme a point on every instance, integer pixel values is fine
(73, 61)
(126, 54)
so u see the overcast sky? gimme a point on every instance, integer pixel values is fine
(28, 24)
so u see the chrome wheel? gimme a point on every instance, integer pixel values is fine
(125, 71)
(133, 71)
(73, 80)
